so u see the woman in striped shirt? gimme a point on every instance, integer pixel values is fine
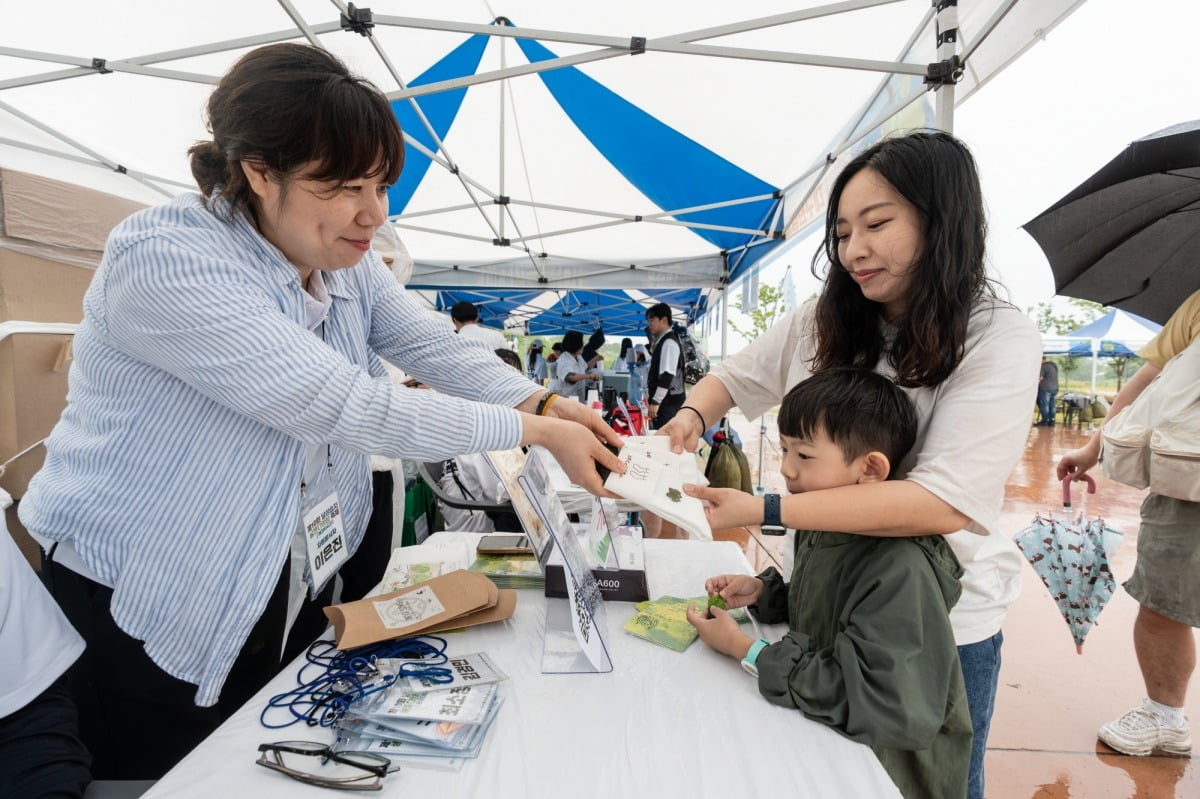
(226, 394)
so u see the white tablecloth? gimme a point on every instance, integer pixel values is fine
(663, 724)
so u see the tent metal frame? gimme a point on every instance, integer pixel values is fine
(940, 77)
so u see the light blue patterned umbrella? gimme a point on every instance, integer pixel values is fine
(1071, 557)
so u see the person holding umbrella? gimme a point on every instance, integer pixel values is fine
(907, 295)
(1166, 578)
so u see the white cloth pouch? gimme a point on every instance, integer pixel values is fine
(1175, 460)
(1155, 442)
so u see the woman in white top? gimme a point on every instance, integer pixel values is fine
(907, 295)
(572, 371)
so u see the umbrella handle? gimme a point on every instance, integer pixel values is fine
(1066, 483)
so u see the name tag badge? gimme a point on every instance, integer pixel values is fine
(325, 537)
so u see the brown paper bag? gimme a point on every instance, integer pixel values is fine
(445, 602)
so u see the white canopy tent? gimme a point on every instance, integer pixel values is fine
(110, 94)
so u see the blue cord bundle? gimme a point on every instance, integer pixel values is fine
(352, 675)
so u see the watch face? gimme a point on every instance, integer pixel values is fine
(772, 529)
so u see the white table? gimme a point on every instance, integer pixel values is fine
(663, 724)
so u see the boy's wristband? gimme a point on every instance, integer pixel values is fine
(750, 662)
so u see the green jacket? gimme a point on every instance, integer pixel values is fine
(870, 652)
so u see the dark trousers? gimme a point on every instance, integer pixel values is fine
(40, 751)
(137, 720)
(366, 566)
(666, 412)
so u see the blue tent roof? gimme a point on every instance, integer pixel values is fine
(618, 312)
(736, 212)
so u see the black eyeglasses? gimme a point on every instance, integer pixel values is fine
(355, 771)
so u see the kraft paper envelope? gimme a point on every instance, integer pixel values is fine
(415, 609)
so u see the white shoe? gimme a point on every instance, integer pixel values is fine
(1142, 731)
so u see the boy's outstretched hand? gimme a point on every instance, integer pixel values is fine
(721, 632)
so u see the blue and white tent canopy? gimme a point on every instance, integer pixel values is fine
(664, 148)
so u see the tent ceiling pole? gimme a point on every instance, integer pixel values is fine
(299, 22)
(79, 159)
(621, 45)
(986, 31)
(115, 167)
(500, 158)
(947, 40)
(622, 42)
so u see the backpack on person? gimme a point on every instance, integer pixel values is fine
(694, 361)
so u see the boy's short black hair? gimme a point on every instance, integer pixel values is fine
(659, 310)
(510, 358)
(860, 410)
(464, 311)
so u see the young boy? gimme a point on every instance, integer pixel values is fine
(869, 650)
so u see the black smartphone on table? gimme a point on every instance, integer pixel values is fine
(504, 544)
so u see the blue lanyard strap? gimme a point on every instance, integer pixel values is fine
(330, 680)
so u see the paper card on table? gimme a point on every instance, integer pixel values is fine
(655, 482)
(664, 621)
(412, 610)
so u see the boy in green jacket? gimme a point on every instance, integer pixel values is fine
(869, 650)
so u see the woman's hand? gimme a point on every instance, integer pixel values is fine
(1078, 461)
(720, 632)
(738, 590)
(727, 507)
(685, 432)
(572, 411)
(575, 447)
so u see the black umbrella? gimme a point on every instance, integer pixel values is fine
(1129, 236)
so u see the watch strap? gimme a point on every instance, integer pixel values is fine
(772, 523)
(750, 661)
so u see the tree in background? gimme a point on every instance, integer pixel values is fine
(770, 308)
(1052, 320)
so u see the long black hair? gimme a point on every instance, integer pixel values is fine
(937, 174)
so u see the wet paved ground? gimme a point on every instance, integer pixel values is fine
(1051, 700)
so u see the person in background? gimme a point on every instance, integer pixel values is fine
(40, 750)
(393, 253)
(536, 363)
(1166, 577)
(869, 649)
(665, 381)
(592, 356)
(210, 474)
(510, 358)
(1047, 392)
(555, 384)
(571, 370)
(638, 374)
(465, 317)
(907, 295)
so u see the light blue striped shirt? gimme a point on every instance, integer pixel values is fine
(196, 389)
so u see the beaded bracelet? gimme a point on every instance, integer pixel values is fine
(703, 424)
(545, 402)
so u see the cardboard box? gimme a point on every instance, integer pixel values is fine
(626, 583)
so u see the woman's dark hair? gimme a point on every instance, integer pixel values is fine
(572, 342)
(861, 411)
(936, 173)
(626, 346)
(288, 105)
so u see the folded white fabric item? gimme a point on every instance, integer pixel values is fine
(654, 479)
